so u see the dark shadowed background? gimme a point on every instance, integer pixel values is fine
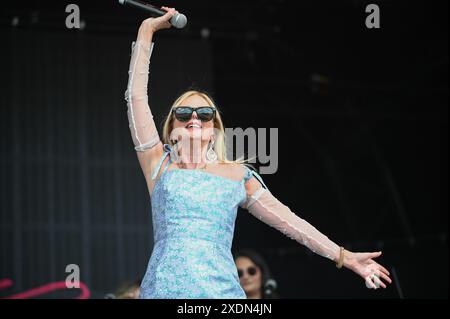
(362, 116)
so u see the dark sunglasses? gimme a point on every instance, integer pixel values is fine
(184, 113)
(250, 270)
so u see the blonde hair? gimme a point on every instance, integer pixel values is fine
(220, 144)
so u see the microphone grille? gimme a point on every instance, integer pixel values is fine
(272, 284)
(179, 21)
(122, 1)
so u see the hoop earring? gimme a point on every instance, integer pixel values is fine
(211, 155)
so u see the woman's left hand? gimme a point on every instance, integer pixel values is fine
(364, 265)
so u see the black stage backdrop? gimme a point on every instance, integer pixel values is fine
(362, 117)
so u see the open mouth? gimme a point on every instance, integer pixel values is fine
(193, 125)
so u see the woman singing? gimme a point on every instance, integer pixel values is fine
(195, 193)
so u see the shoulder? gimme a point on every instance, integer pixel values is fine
(252, 179)
(235, 168)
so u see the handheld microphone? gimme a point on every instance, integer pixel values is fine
(270, 286)
(179, 20)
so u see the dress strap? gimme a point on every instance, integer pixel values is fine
(167, 165)
(249, 173)
(163, 157)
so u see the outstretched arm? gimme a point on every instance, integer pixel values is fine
(142, 126)
(264, 206)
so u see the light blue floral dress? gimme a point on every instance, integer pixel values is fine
(194, 214)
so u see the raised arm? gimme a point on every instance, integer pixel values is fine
(263, 205)
(142, 126)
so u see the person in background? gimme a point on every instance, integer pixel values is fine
(128, 290)
(255, 276)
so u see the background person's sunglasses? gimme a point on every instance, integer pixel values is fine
(184, 113)
(250, 270)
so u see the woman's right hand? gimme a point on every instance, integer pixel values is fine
(151, 25)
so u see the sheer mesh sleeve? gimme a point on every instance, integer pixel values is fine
(142, 127)
(264, 206)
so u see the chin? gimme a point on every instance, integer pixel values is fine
(249, 288)
(198, 136)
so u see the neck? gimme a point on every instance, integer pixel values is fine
(254, 294)
(193, 154)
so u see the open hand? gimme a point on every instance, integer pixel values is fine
(364, 265)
